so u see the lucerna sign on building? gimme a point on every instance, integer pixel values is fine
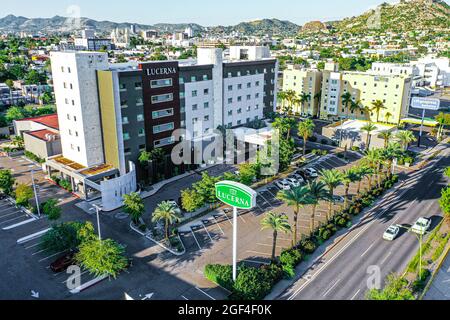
(236, 195)
(161, 71)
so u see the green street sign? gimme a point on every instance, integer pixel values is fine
(236, 195)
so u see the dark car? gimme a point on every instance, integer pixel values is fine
(302, 173)
(62, 263)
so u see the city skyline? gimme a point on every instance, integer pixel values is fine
(217, 14)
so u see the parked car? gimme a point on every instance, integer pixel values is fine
(283, 185)
(302, 174)
(338, 199)
(298, 177)
(293, 182)
(62, 263)
(391, 233)
(421, 226)
(311, 173)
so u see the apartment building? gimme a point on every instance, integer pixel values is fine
(366, 87)
(304, 81)
(110, 113)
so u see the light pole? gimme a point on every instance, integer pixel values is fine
(35, 194)
(98, 209)
(235, 232)
(420, 238)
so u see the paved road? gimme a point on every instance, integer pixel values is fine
(342, 274)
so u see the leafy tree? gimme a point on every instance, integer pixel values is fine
(15, 113)
(206, 188)
(19, 142)
(24, 193)
(247, 173)
(3, 121)
(406, 138)
(6, 181)
(395, 289)
(52, 210)
(47, 98)
(102, 257)
(363, 172)
(332, 179)
(134, 206)
(447, 172)
(191, 200)
(34, 77)
(305, 131)
(386, 136)
(66, 236)
(168, 213)
(277, 223)
(317, 192)
(286, 153)
(296, 198)
(445, 202)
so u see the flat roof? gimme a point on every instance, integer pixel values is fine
(50, 121)
(43, 134)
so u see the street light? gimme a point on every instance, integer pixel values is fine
(35, 194)
(420, 238)
(98, 209)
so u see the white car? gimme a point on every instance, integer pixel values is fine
(293, 182)
(311, 173)
(283, 185)
(298, 177)
(421, 226)
(391, 233)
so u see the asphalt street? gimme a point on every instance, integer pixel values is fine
(345, 272)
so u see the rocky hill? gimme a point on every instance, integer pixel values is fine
(260, 27)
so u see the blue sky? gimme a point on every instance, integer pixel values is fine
(205, 12)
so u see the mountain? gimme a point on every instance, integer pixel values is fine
(405, 16)
(313, 26)
(260, 27)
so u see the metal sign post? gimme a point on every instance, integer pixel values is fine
(238, 196)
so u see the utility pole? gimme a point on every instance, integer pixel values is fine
(98, 209)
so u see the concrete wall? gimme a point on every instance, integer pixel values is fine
(113, 190)
(42, 149)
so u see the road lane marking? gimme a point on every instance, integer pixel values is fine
(205, 293)
(387, 257)
(356, 294)
(365, 252)
(185, 298)
(331, 288)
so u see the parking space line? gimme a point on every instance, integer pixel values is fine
(265, 200)
(10, 214)
(195, 238)
(261, 253)
(257, 262)
(269, 245)
(30, 247)
(204, 227)
(227, 218)
(37, 252)
(10, 220)
(185, 298)
(205, 293)
(53, 255)
(356, 294)
(217, 223)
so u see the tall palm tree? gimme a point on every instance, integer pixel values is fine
(304, 98)
(350, 176)
(291, 96)
(386, 135)
(318, 192)
(306, 130)
(333, 179)
(296, 198)
(347, 100)
(373, 160)
(318, 97)
(363, 173)
(406, 138)
(277, 223)
(355, 106)
(282, 98)
(167, 212)
(387, 116)
(368, 128)
(389, 154)
(377, 106)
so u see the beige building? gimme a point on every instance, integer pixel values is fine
(366, 87)
(307, 81)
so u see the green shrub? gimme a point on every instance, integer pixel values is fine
(356, 149)
(421, 281)
(253, 283)
(308, 246)
(65, 184)
(34, 157)
(221, 275)
(291, 257)
(66, 236)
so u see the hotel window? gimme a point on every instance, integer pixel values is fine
(248, 72)
(239, 99)
(194, 107)
(162, 113)
(75, 118)
(68, 116)
(68, 70)
(71, 86)
(140, 117)
(230, 100)
(249, 97)
(194, 93)
(194, 120)
(239, 86)
(193, 79)
(70, 132)
(161, 83)
(127, 151)
(206, 92)
(265, 70)
(206, 118)
(163, 128)
(138, 85)
(230, 88)
(181, 80)
(230, 75)
(162, 98)
(141, 132)
(205, 77)
(257, 107)
(257, 95)
(76, 133)
(139, 102)
(122, 87)
(249, 108)
(67, 101)
(125, 120)
(124, 103)
(142, 147)
(79, 149)
(249, 85)
(163, 142)
(182, 95)
(62, 69)
(65, 85)
(257, 83)
(239, 122)
(206, 105)
(126, 136)
(73, 102)
(230, 113)
(239, 111)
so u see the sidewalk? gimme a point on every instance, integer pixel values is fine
(440, 287)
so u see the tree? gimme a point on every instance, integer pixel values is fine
(317, 192)
(318, 97)
(304, 99)
(282, 125)
(305, 131)
(6, 181)
(19, 142)
(3, 121)
(389, 154)
(447, 172)
(47, 98)
(24, 193)
(386, 136)
(406, 138)
(168, 213)
(247, 173)
(368, 128)
(206, 188)
(296, 198)
(102, 257)
(332, 179)
(52, 210)
(445, 202)
(278, 223)
(356, 106)
(134, 206)
(363, 172)
(373, 161)
(14, 113)
(388, 116)
(66, 236)
(350, 176)
(443, 120)
(377, 106)
(395, 289)
(286, 153)
(347, 101)
(191, 200)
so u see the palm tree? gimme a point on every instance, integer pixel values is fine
(389, 154)
(347, 100)
(277, 223)
(306, 130)
(363, 173)
(333, 179)
(377, 107)
(169, 213)
(373, 160)
(282, 97)
(355, 106)
(318, 97)
(368, 128)
(304, 98)
(387, 116)
(296, 198)
(350, 176)
(406, 137)
(291, 96)
(386, 136)
(318, 192)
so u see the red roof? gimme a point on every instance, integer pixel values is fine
(50, 121)
(42, 134)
